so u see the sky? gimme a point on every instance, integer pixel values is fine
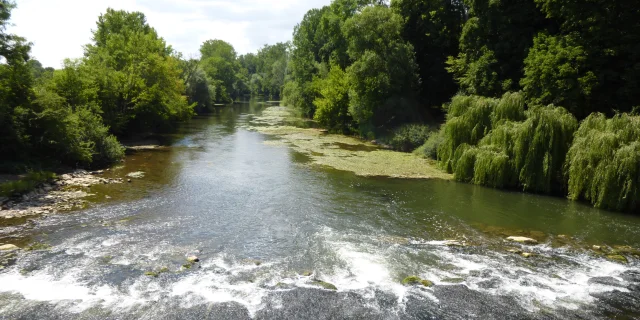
(59, 29)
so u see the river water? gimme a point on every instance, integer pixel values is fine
(267, 225)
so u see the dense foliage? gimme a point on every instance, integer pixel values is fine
(495, 142)
(603, 165)
(128, 82)
(362, 41)
(433, 27)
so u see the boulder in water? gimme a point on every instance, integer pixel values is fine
(524, 240)
(527, 254)
(193, 259)
(324, 285)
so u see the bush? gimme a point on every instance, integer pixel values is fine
(71, 136)
(603, 164)
(409, 137)
(26, 184)
(430, 148)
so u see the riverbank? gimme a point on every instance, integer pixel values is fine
(64, 193)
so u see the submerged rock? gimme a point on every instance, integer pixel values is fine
(252, 261)
(306, 273)
(411, 280)
(596, 248)
(151, 274)
(427, 283)
(626, 250)
(324, 285)
(527, 254)
(415, 280)
(8, 247)
(454, 243)
(453, 280)
(524, 240)
(618, 258)
(193, 259)
(609, 281)
(136, 175)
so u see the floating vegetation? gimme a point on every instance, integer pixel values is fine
(342, 152)
(603, 165)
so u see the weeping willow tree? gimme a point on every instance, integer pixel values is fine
(468, 121)
(497, 143)
(603, 165)
(471, 118)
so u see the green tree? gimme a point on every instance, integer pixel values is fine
(557, 72)
(591, 60)
(493, 44)
(433, 27)
(332, 105)
(383, 77)
(16, 81)
(219, 62)
(136, 74)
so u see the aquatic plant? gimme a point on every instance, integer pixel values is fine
(347, 153)
(603, 165)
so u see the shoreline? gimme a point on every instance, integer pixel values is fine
(64, 193)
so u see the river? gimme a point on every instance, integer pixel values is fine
(267, 226)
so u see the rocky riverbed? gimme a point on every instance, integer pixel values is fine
(65, 193)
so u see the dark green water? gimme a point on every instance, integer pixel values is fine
(260, 216)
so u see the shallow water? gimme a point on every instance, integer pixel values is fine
(260, 217)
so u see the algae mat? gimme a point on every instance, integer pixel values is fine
(342, 152)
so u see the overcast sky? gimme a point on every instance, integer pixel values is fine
(59, 28)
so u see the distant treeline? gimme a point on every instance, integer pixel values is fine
(129, 82)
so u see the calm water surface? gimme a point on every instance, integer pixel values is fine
(261, 218)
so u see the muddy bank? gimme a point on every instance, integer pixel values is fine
(63, 194)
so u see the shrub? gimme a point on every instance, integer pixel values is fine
(430, 147)
(409, 137)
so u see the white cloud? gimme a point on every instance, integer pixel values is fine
(60, 28)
